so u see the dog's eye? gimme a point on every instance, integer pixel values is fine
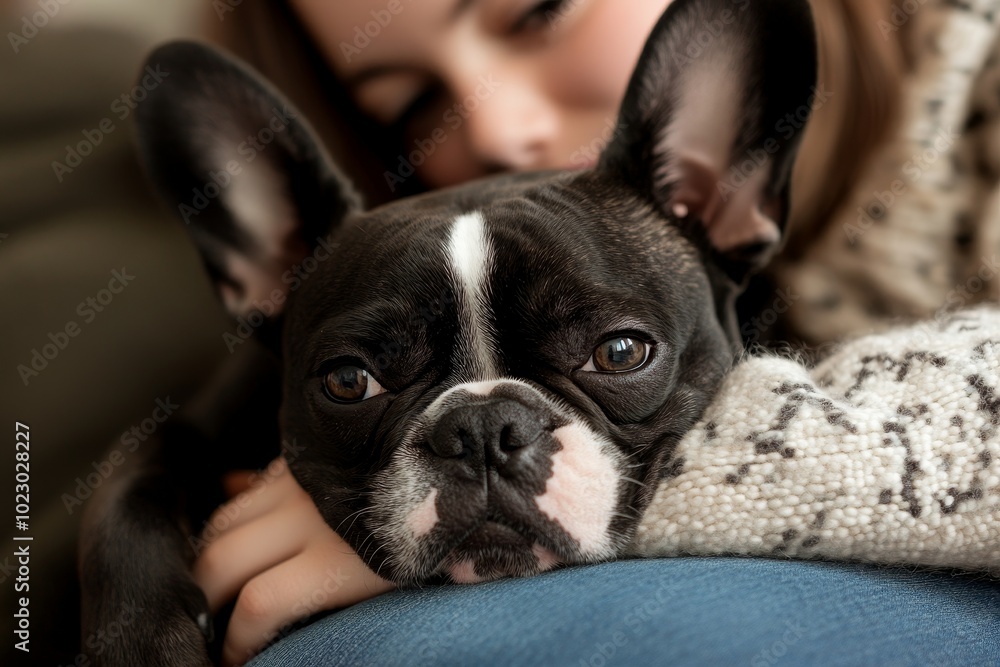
(618, 355)
(350, 384)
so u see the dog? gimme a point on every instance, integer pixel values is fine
(480, 382)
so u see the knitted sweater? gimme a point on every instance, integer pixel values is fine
(888, 451)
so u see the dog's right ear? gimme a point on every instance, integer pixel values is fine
(241, 168)
(712, 121)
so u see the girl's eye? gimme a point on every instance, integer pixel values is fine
(542, 16)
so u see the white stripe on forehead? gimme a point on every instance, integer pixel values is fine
(471, 258)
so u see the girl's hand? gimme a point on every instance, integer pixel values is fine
(270, 546)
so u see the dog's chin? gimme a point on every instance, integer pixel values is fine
(486, 552)
(494, 551)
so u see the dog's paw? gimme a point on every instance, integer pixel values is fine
(170, 626)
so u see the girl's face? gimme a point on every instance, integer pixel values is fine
(481, 86)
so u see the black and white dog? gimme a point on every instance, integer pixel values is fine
(480, 382)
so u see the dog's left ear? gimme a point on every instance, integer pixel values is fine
(713, 118)
(244, 171)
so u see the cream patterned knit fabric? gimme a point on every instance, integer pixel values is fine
(888, 452)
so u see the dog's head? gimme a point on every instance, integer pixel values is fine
(490, 380)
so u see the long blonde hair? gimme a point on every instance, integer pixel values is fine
(862, 69)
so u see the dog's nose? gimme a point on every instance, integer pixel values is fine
(491, 433)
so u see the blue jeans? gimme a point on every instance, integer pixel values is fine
(680, 611)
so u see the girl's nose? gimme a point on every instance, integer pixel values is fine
(511, 125)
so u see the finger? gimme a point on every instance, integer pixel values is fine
(266, 491)
(307, 584)
(357, 581)
(232, 560)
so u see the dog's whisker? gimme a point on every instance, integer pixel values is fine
(354, 514)
(635, 481)
(358, 515)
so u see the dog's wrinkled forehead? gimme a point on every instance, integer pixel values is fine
(475, 279)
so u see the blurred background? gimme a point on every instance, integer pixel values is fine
(105, 310)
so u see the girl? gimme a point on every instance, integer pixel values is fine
(895, 210)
